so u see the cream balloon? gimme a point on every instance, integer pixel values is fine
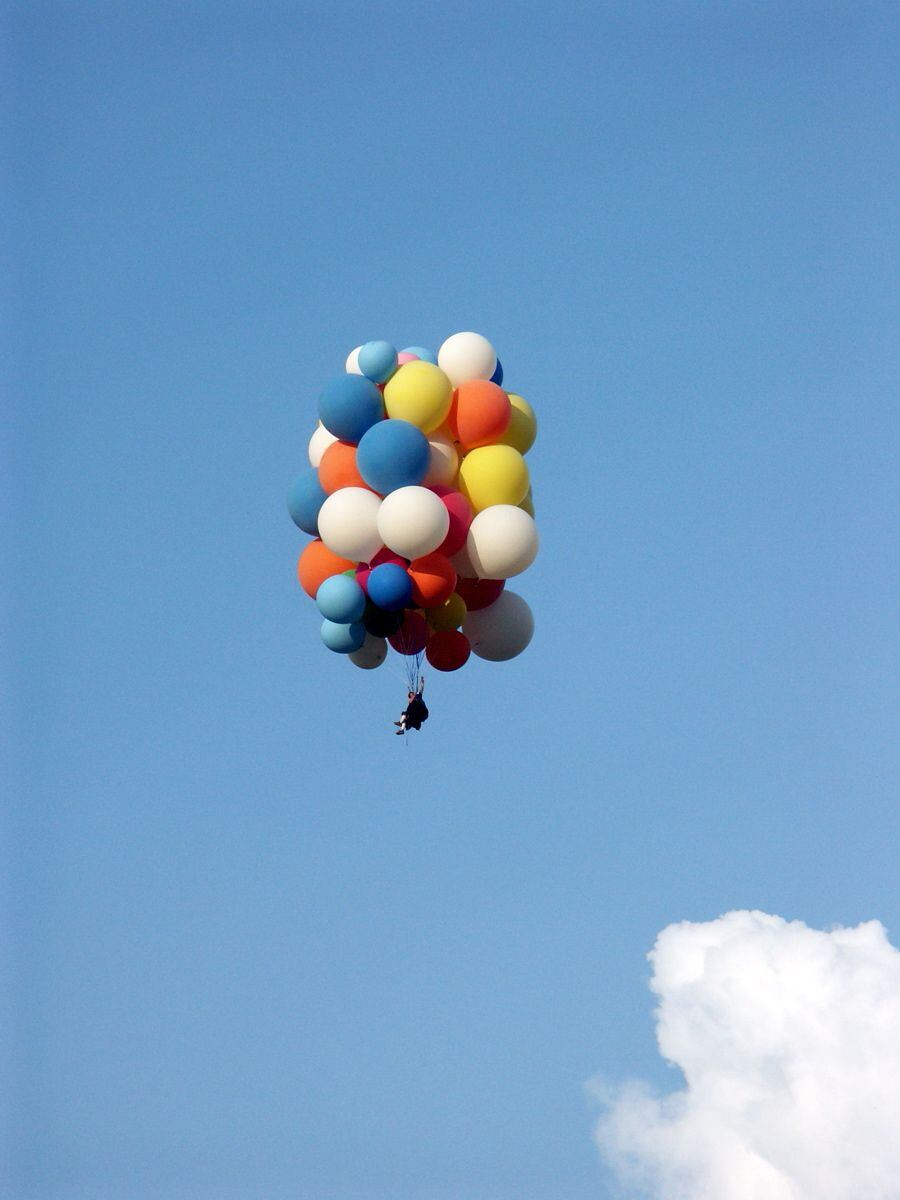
(351, 366)
(502, 542)
(412, 521)
(444, 462)
(466, 356)
(319, 443)
(348, 523)
(502, 630)
(371, 653)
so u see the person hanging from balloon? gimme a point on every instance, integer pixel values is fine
(415, 712)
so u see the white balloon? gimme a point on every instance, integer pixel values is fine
(348, 523)
(371, 653)
(351, 366)
(412, 521)
(319, 443)
(444, 461)
(502, 630)
(502, 541)
(466, 356)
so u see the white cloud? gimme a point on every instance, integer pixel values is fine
(789, 1042)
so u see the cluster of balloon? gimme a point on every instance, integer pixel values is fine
(418, 499)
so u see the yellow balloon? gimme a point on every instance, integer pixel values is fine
(419, 392)
(449, 615)
(528, 504)
(493, 475)
(522, 428)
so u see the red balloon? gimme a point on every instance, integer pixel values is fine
(447, 650)
(412, 635)
(364, 570)
(433, 579)
(461, 517)
(479, 593)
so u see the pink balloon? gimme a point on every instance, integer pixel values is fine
(405, 357)
(461, 517)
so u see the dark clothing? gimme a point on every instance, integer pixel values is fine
(416, 713)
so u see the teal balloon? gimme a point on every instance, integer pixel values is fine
(304, 499)
(349, 405)
(341, 600)
(377, 361)
(343, 638)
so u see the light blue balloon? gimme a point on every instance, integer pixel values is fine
(343, 639)
(304, 499)
(393, 454)
(377, 361)
(422, 353)
(341, 600)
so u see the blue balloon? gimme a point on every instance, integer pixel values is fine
(377, 361)
(349, 405)
(422, 353)
(341, 599)
(497, 376)
(390, 587)
(304, 499)
(343, 639)
(393, 454)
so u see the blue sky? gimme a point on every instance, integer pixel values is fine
(260, 947)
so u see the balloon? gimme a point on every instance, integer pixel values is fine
(501, 631)
(502, 541)
(480, 413)
(412, 521)
(390, 587)
(316, 564)
(351, 366)
(522, 428)
(447, 651)
(421, 353)
(460, 512)
(338, 468)
(527, 505)
(377, 361)
(479, 593)
(371, 653)
(380, 623)
(449, 615)
(497, 376)
(466, 356)
(341, 599)
(348, 523)
(304, 499)
(433, 580)
(349, 405)
(393, 454)
(444, 461)
(420, 393)
(493, 475)
(412, 635)
(364, 570)
(343, 638)
(464, 566)
(319, 443)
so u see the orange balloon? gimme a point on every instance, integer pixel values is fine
(316, 564)
(480, 413)
(433, 580)
(337, 468)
